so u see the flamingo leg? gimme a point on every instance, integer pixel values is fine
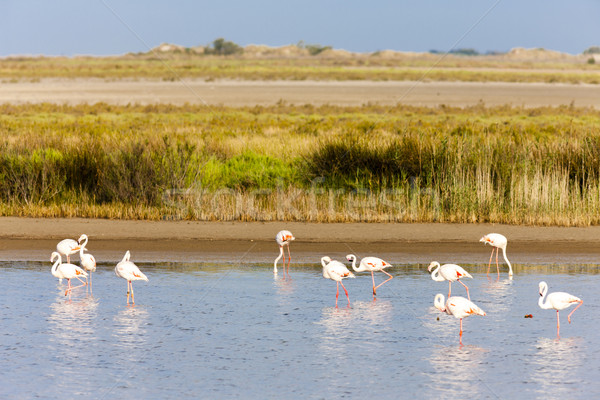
(571, 313)
(461, 332)
(490, 263)
(374, 288)
(497, 266)
(337, 293)
(128, 283)
(388, 279)
(557, 325)
(348, 297)
(468, 295)
(68, 291)
(449, 288)
(132, 299)
(90, 281)
(289, 259)
(75, 287)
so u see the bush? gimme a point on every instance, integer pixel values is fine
(222, 47)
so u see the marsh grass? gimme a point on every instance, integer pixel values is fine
(171, 67)
(371, 163)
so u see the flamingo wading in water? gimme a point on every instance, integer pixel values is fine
(497, 241)
(557, 301)
(283, 238)
(371, 264)
(336, 271)
(67, 247)
(450, 273)
(130, 272)
(66, 271)
(457, 306)
(87, 261)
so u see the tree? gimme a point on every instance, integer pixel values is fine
(223, 47)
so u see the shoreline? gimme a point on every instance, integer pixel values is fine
(249, 93)
(33, 239)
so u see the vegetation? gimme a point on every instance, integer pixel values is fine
(224, 61)
(370, 163)
(222, 47)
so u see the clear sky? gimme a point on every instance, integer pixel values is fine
(107, 27)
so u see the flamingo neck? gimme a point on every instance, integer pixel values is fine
(544, 304)
(278, 258)
(510, 271)
(438, 302)
(354, 263)
(435, 275)
(56, 265)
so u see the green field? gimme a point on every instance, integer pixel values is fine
(371, 163)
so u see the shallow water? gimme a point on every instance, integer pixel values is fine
(233, 331)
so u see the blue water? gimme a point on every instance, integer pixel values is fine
(233, 331)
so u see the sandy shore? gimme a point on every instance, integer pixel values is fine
(32, 239)
(346, 93)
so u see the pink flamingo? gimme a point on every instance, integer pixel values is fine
(497, 241)
(67, 247)
(283, 238)
(130, 272)
(371, 264)
(557, 301)
(450, 273)
(87, 261)
(457, 306)
(336, 271)
(66, 271)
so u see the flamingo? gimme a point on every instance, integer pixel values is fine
(283, 238)
(66, 271)
(457, 306)
(336, 271)
(557, 301)
(450, 273)
(130, 272)
(497, 241)
(371, 264)
(87, 261)
(67, 247)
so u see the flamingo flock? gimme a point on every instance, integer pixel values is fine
(457, 306)
(125, 269)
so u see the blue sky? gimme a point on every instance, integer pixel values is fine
(105, 27)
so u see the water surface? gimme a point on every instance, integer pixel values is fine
(233, 331)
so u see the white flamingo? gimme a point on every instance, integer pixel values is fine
(497, 241)
(66, 271)
(87, 261)
(336, 271)
(557, 301)
(450, 273)
(371, 264)
(67, 247)
(457, 306)
(283, 238)
(130, 272)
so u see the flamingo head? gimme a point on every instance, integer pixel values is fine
(325, 260)
(82, 238)
(433, 265)
(438, 302)
(543, 286)
(54, 256)
(351, 257)
(485, 239)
